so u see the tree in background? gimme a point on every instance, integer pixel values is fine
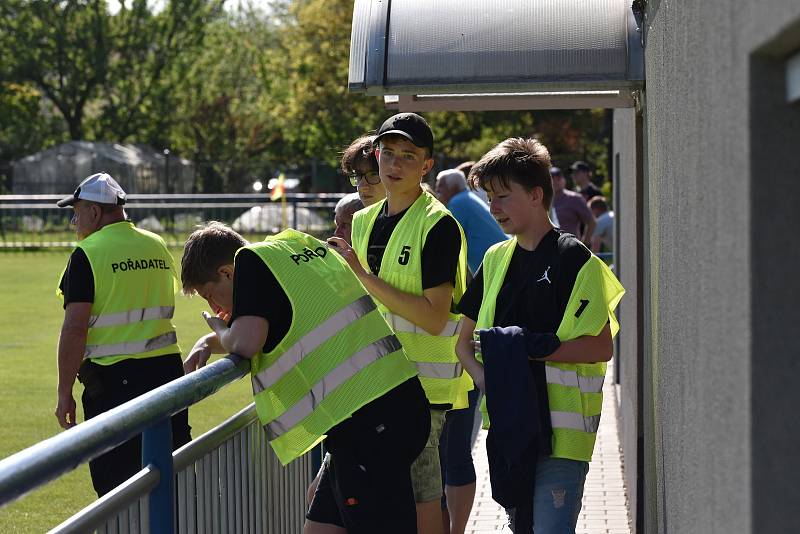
(27, 122)
(105, 73)
(151, 54)
(231, 102)
(321, 115)
(568, 134)
(60, 49)
(245, 93)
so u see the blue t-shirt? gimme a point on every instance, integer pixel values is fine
(605, 230)
(480, 228)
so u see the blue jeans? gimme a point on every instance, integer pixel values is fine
(557, 496)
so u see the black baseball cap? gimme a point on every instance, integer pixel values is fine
(580, 166)
(408, 125)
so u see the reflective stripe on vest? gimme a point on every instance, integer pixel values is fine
(575, 421)
(439, 370)
(398, 324)
(131, 316)
(336, 377)
(131, 347)
(309, 342)
(587, 384)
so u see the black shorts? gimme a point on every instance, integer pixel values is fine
(108, 386)
(366, 487)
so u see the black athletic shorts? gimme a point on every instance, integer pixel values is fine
(108, 386)
(366, 487)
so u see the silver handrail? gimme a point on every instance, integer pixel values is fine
(28, 469)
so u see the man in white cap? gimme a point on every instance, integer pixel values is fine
(480, 228)
(117, 337)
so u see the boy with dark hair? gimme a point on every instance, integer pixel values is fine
(325, 365)
(582, 175)
(409, 253)
(549, 302)
(361, 167)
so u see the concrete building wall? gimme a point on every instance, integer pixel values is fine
(629, 351)
(723, 180)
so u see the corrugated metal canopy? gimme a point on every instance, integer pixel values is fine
(448, 54)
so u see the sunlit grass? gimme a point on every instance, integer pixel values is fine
(32, 316)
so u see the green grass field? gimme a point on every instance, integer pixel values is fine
(28, 338)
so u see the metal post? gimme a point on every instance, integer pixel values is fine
(166, 171)
(157, 451)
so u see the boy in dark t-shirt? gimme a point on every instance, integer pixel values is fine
(561, 299)
(265, 314)
(409, 253)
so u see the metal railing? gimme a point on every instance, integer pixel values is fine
(227, 480)
(34, 221)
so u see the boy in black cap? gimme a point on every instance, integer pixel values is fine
(409, 253)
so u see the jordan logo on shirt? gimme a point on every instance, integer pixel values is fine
(545, 277)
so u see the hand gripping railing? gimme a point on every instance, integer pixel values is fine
(149, 415)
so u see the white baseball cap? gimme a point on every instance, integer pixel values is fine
(100, 188)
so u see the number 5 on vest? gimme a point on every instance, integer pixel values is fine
(404, 255)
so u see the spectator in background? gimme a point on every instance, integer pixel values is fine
(582, 174)
(603, 235)
(480, 193)
(571, 209)
(343, 215)
(480, 228)
(361, 166)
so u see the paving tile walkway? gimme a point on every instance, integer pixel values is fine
(605, 502)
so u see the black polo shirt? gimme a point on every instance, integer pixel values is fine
(77, 284)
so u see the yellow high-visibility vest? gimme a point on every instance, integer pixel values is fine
(134, 294)
(440, 371)
(574, 391)
(338, 355)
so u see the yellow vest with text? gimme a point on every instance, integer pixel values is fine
(574, 391)
(134, 295)
(440, 372)
(338, 355)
